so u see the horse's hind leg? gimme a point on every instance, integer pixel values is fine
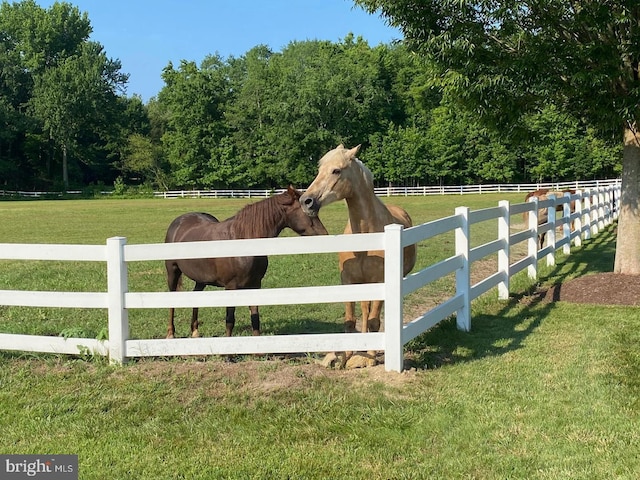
(171, 329)
(255, 320)
(350, 317)
(173, 281)
(373, 317)
(230, 320)
(365, 307)
(194, 314)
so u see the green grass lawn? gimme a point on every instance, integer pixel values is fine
(536, 390)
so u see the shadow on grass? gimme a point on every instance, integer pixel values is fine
(503, 326)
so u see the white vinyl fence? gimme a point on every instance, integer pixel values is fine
(595, 208)
(380, 191)
(405, 191)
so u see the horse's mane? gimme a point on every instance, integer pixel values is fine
(260, 219)
(366, 173)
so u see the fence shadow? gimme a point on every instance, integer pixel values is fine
(503, 326)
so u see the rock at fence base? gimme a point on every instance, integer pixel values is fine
(356, 360)
(333, 360)
(362, 360)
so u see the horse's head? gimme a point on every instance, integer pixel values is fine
(339, 174)
(296, 219)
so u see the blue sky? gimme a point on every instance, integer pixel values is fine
(146, 35)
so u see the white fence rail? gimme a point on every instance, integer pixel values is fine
(595, 208)
(404, 191)
(381, 191)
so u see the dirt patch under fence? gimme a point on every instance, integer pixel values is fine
(599, 289)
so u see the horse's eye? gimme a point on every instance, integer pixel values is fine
(336, 171)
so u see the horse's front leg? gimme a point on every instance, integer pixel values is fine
(173, 280)
(194, 314)
(255, 320)
(349, 327)
(371, 312)
(339, 359)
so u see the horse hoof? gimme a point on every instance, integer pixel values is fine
(170, 335)
(362, 360)
(350, 327)
(195, 334)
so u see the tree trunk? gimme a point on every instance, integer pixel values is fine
(65, 168)
(628, 238)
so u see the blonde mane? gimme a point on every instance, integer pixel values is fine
(366, 173)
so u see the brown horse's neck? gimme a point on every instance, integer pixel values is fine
(264, 219)
(367, 213)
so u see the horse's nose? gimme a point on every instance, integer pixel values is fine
(309, 204)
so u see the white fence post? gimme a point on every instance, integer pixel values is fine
(587, 216)
(566, 224)
(578, 221)
(463, 275)
(504, 229)
(607, 208)
(551, 233)
(117, 285)
(393, 301)
(594, 215)
(532, 243)
(600, 209)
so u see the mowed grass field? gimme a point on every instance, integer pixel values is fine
(535, 390)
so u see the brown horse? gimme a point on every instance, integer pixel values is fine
(263, 219)
(343, 176)
(543, 213)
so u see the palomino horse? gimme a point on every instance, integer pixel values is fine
(343, 176)
(263, 219)
(543, 213)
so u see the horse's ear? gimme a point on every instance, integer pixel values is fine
(293, 192)
(341, 146)
(354, 151)
(291, 196)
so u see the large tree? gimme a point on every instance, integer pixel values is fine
(76, 93)
(58, 81)
(195, 99)
(506, 58)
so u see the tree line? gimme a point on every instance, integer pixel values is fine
(259, 120)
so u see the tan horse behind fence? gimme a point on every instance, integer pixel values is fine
(543, 213)
(341, 175)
